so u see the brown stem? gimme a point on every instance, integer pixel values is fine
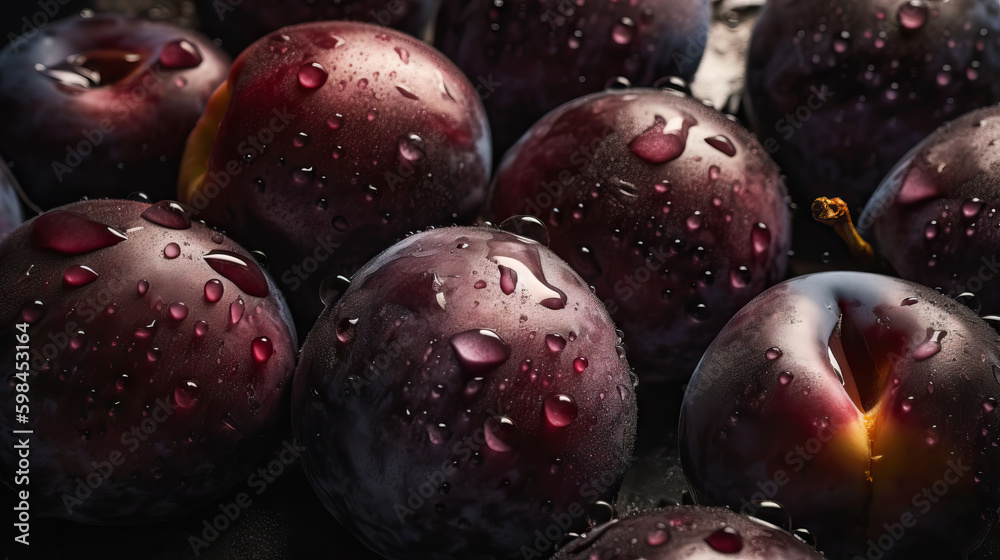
(834, 213)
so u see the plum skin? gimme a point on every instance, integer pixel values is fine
(497, 44)
(839, 91)
(931, 217)
(687, 532)
(64, 143)
(766, 418)
(393, 378)
(125, 395)
(669, 286)
(392, 139)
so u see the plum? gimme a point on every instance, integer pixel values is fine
(864, 404)
(838, 91)
(688, 532)
(11, 215)
(467, 397)
(934, 217)
(101, 106)
(329, 142)
(673, 213)
(528, 57)
(240, 24)
(150, 356)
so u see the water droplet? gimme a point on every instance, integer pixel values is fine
(713, 172)
(725, 540)
(213, 290)
(262, 349)
(971, 208)
(32, 312)
(72, 234)
(141, 287)
(657, 537)
(623, 392)
(773, 353)
(178, 311)
(723, 144)
(172, 250)
(340, 223)
(555, 342)
(580, 365)
(906, 405)
(785, 377)
(740, 277)
(200, 328)
(312, 75)
(989, 405)
(971, 301)
(508, 280)
(168, 214)
(500, 433)
(180, 54)
(697, 310)
(479, 350)
(694, 221)
(78, 275)
(909, 301)
(332, 288)
(560, 410)
(218, 237)
(404, 55)
(931, 346)
(664, 140)
(186, 394)
(528, 227)
(912, 15)
(239, 270)
(236, 310)
(300, 140)
(761, 239)
(623, 31)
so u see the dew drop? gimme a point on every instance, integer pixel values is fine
(508, 280)
(141, 287)
(723, 144)
(761, 239)
(930, 347)
(479, 350)
(262, 349)
(200, 328)
(785, 377)
(909, 301)
(971, 208)
(167, 214)
(32, 312)
(218, 238)
(180, 54)
(340, 223)
(912, 15)
(404, 55)
(663, 141)
(773, 353)
(725, 540)
(213, 290)
(528, 227)
(623, 31)
(560, 410)
(657, 537)
(555, 342)
(172, 250)
(345, 329)
(239, 270)
(694, 221)
(186, 394)
(78, 275)
(500, 433)
(580, 365)
(740, 277)
(72, 234)
(236, 310)
(178, 311)
(312, 75)
(989, 405)
(410, 148)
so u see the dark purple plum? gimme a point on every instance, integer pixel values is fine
(689, 533)
(11, 214)
(934, 218)
(329, 142)
(466, 391)
(838, 91)
(101, 106)
(864, 404)
(527, 57)
(240, 24)
(673, 212)
(159, 359)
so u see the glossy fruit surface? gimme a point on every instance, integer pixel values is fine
(689, 533)
(159, 357)
(101, 106)
(670, 210)
(934, 218)
(838, 91)
(11, 214)
(239, 25)
(864, 404)
(465, 398)
(526, 58)
(329, 142)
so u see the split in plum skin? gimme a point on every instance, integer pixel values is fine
(97, 106)
(140, 386)
(673, 212)
(329, 142)
(840, 91)
(852, 399)
(526, 57)
(688, 532)
(449, 420)
(934, 216)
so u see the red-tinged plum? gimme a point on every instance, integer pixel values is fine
(864, 404)
(934, 218)
(688, 533)
(11, 214)
(329, 142)
(673, 212)
(239, 25)
(101, 106)
(527, 57)
(155, 357)
(839, 91)
(467, 397)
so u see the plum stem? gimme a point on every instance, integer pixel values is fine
(834, 213)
